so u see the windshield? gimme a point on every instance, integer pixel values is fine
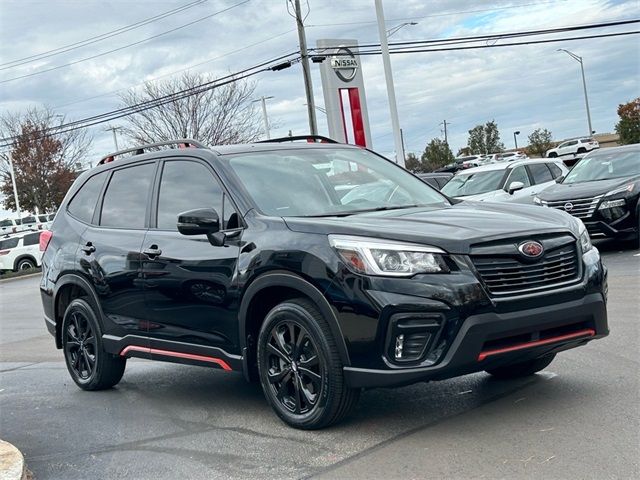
(328, 181)
(605, 165)
(473, 183)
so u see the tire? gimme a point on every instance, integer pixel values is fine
(24, 264)
(552, 155)
(523, 369)
(581, 150)
(304, 393)
(89, 365)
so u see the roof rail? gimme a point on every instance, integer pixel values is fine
(307, 138)
(181, 143)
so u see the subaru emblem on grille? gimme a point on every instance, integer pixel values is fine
(531, 249)
(568, 207)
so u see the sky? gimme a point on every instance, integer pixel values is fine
(521, 88)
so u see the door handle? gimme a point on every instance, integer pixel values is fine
(152, 252)
(88, 248)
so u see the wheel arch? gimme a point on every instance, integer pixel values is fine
(24, 256)
(69, 287)
(266, 292)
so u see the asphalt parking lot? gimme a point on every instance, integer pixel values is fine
(580, 418)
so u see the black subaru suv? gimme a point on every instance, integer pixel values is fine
(253, 258)
(603, 190)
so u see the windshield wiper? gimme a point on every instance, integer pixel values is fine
(367, 210)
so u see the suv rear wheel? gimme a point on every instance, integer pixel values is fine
(25, 264)
(89, 365)
(300, 368)
(522, 369)
(553, 155)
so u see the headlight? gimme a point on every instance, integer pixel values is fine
(585, 241)
(623, 189)
(538, 201)
(621, 202)
(391, 259)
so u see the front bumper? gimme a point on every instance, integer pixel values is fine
(549, 329)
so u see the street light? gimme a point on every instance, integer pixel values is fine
(515, 140)
(394, 30)
(264, 114)
(386, 62)
(578, 59)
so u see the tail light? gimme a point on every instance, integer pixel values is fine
(4, 252)
(45, 238)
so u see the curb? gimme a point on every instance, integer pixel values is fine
(11, 462)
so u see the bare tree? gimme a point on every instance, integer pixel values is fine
(223, 115)
(45, 162)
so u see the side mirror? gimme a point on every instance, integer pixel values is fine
(515, 186)
(560, 179)
(203, 221)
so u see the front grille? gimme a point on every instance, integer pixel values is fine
(580, 207)
(512, 274)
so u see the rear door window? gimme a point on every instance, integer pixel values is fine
(518, 174)
(83, 204)
(125, 201)
(556, 171)
(9, 243)
(540, 173)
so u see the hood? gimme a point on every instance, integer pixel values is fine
(571, 191)
(453, 228)
(480, 196)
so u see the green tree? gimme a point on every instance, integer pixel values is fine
(463, 152)
(485, 139)
(437, 154)
(540, 141)
(629, 125)
(413, 163)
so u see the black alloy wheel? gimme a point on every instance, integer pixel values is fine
(80, 345)
(294, 372)
(89, 365)
(300, 368)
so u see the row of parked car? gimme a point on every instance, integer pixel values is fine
(603, 189)
(470, 161)
(30, 222)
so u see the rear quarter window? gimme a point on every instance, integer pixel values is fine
(31, 239)
(83, 204)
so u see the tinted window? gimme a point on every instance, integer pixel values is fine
(84, 202)
(540, 173)
(29, 220)
(31, 239)
(125, 201)
(556, 171)
(42, 218)
(6, 223)
(518, 174)
(10, 243)
(231, 219)
(186, 186)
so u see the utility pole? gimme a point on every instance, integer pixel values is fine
(402, 138)
(308, 87)
(444, 123)
(115, 137)
(13, 181)
(388, 75)
(265, 118)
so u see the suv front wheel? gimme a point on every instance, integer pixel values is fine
(300, 368)
(89, 365)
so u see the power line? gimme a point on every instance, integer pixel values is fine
(514, 44)
(156, 102)
(98, 38)
(40, 72)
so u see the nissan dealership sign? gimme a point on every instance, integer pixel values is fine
(344, 64)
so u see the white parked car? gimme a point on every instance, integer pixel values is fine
(20, 251)
(573, 147)
(8, 226)
(517, 181)
(511, 156)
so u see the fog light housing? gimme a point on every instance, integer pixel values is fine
(411, 336)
